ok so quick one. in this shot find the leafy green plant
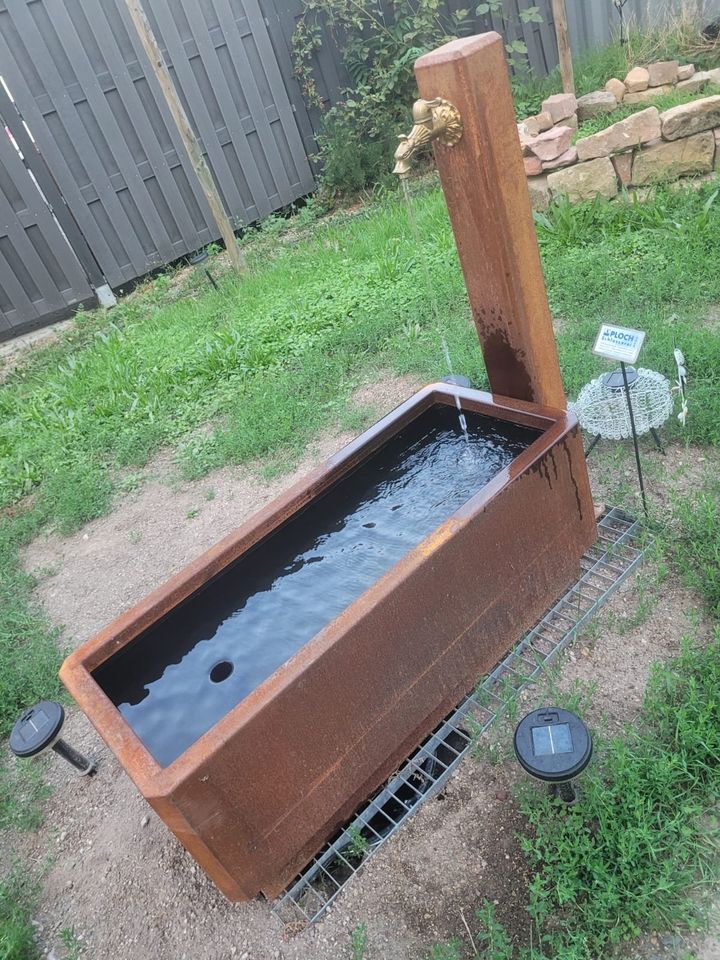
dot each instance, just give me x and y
(379, 47)
(359, 845)
(497, 943)
(359, 942)
(71, 943)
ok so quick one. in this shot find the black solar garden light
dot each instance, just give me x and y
(39, 728)
(553, 745)
(196, 259)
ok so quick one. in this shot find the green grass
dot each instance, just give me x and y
(663, 102)
(639, 853)
(694, 542)
(17, 900)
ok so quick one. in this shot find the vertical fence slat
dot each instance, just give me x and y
(277, 89)
(168, 36)
(56, 92)
(132, 103)
(114, 138)
(226, 99)
(18, 235)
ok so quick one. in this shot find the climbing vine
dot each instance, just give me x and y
(379, 41)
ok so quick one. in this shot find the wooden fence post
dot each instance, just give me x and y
(190, 141)
(563, 42)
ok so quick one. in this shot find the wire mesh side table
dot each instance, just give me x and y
(602, 407)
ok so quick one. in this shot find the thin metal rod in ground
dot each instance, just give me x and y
(592, 446)
(658, 441)
(618, 551)
(635, 436)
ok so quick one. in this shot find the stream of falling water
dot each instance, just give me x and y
(433, 302)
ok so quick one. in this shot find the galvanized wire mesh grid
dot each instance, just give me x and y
(606, 564)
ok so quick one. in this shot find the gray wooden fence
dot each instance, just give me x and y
(100, 189)
(80, 80)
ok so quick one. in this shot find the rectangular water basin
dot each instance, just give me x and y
(268, 688)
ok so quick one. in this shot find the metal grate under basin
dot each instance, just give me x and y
(615, 554)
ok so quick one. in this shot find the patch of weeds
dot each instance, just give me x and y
(73, 495)
(29, 654)
(135, 536)
(446, 951)
(694, 543)
(129, 483)
(209, 494)
(17, 901)
(192, 513)
(359, 942)
(354, 418)
(496, 942)
(628, 857)
(359, 845)
(23, 792)
(70, 941)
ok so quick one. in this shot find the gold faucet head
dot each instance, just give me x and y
(432, 120)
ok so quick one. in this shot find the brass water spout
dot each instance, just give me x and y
(432, 120)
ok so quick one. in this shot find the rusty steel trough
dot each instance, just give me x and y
(259, 793)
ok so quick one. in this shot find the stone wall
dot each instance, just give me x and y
(645, 148)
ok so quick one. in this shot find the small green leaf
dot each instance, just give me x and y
(531, 15)
(482, 9)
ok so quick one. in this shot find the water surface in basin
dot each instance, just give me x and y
(179, 677)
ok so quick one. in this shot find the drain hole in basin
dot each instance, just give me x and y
(221, 671)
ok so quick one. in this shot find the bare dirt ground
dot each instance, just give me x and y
(127, 888)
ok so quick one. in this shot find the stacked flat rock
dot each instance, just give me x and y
(662, 73)
(690, 118)
(617, 88)
(560, 106)
(638, 128)
(595, 104)
(637, 151)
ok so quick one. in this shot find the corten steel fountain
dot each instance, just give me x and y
(259, 696)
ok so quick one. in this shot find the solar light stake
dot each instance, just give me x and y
(566, 792)
(634, 433)
(199, 258)
(39, 729)
(80, 762)
(553, 745)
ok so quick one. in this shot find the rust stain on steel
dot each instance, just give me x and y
(257, 796)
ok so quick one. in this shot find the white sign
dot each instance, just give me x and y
(619, 343)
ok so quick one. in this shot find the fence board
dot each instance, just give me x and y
(92, 102)
(151, 152)
(39, 274)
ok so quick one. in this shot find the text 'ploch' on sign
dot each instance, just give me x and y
(619, 343)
